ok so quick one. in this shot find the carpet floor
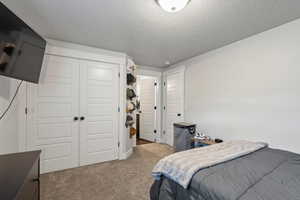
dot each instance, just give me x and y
(116, 180)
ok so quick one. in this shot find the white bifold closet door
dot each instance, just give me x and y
(147, 90)
(52, 106)
(99, 106)
(72, 113)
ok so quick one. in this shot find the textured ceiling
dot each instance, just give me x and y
(147, 33)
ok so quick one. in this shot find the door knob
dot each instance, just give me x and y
(179, 114)
(82, 118)
(76, 118)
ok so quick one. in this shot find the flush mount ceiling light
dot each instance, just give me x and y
(172, 5)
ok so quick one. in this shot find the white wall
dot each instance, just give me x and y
(249, 89)
(8, 126)
(24, 10)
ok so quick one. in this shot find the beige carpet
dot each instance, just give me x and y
(117, 180)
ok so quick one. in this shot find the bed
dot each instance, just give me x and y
(266, 174)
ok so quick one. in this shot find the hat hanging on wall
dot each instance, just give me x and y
(130, 93)
(131, 67)
(131, 107)
(130, 79)
(129, 121)
(132, 131)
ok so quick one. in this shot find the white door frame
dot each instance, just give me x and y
(70, 50)
(158, 76)
(181, 70)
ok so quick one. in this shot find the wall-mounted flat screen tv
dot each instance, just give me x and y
(21, 49)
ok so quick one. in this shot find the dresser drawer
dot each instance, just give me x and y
(30, 189)
(19, 176)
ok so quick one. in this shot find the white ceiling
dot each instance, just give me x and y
(147, 33)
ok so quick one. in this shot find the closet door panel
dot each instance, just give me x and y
(148, 102)
(174, 112)
(99, 89)
(52, 105)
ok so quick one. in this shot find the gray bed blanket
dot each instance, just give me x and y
(267, 174)
(182, 166)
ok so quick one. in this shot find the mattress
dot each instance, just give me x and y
(267, 174)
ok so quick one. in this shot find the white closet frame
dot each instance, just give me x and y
(70, 50)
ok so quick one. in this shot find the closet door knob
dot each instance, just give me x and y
(82, 118)
(179, 114)
(76, 118)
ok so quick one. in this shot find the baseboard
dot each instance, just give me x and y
(126, 155)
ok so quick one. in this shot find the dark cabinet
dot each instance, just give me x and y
(20, 176)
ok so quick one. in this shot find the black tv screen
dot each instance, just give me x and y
(21, 49)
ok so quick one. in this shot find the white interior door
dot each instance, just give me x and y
(174, 102)
(52, 106)
(147, 94)
(99, 89)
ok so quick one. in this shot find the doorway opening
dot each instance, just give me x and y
(148, 115)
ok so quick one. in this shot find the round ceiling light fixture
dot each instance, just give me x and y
(172, 5)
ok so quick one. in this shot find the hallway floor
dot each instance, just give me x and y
(142, 142)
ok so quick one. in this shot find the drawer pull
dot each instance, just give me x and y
(36, 180)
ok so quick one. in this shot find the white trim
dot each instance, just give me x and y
(70, 50)
(159, 109)
(126, 155)
(149, 68)
(22, 117)
(145, 72)
(164, 102)
(122, 116)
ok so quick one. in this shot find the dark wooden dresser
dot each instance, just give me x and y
(20, 176)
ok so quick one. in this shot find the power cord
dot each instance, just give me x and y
(11, 102)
